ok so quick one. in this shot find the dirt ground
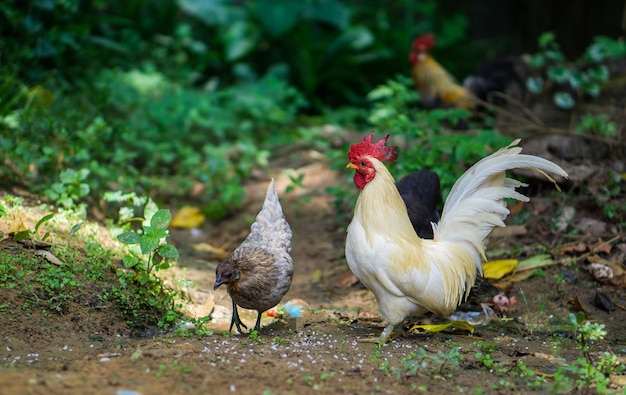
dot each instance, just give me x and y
(87, 352)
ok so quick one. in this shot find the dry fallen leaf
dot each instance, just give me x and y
(573, 247)
(213, 252)
(601, 246)
(50, 257)
(346, 280)
(188, 217)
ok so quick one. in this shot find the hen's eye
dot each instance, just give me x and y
(228, 275)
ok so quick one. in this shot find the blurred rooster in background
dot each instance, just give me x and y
(259, 272)
(410, 275)
(436, 86)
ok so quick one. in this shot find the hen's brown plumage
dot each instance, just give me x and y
(259, 272)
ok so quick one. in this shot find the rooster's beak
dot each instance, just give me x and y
(351, 165)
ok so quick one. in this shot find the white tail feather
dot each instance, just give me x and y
(476, 202)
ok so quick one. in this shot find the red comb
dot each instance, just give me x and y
(378, 149)
(425, 41)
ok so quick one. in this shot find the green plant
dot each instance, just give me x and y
(70, 188)
(572, 81)
(598, 124)
(435, 364)
(254, 336)
(587, 372)
(609, 196)
(33, 235)
(151, 243)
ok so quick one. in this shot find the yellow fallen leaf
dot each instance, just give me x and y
(498, 269)
(17, 226)
(188, 217)
(442, 327)
(212, 251)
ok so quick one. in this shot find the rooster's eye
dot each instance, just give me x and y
(363, 164)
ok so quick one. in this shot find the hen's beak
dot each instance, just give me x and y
(351, 165)
(218, 282)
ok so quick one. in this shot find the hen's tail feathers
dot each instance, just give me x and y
(476, 203)
(270, 227)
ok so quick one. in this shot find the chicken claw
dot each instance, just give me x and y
(235, 320)
(390, 332)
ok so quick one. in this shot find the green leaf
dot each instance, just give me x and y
(83, 190)
(45, 218)
(161, 219)
(599, 73)
(168, 251)
(596, 53)
(537, 61)
(240, 38)
(564, 100)
(278, 16)
(332, 12)
(546, 39)
(130, 261)
(22, 235)
(148, 243)
(555, 56)
(163, 265)
(82, 174)
(559, 74)
(143, 278)
(592, 89)
(148, 211)
(210, 12)
(129, 238)
(534, 262)
(577, 78)
(68, 176)
(76, 228)
(534, 84)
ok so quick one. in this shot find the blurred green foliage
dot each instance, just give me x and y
(571, 81)
(332, 51)
(154, 96)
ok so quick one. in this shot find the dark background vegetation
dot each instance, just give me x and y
(158, 96)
